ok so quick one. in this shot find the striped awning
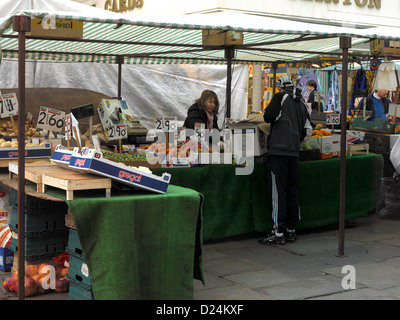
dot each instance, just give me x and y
(178, 39)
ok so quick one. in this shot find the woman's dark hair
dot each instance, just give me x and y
(312, 83)
(205, 95)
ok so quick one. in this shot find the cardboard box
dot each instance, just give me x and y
(222, 38)
(6, 259)
(253, 128)
(385, 47)
(329, 146)
(58, 28)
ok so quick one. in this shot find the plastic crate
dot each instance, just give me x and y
(6, 259)
(79, 272)
(78, 292)
(39, 225)
(41, 247)
(74, 245)
(34, 205)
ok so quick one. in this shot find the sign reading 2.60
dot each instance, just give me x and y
(51, 119)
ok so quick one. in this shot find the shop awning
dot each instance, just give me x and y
(178, 39)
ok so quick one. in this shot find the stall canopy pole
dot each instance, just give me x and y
(21, 24)
(345, 44)
(229, 54)
(120, 60)
(274, 67)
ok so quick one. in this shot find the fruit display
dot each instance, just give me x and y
(7, 129)
(14, 144)
(39, 278)
(321, 133)
(124, 156)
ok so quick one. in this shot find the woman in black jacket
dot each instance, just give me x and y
(204, 110)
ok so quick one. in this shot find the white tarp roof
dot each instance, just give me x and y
(176, 39)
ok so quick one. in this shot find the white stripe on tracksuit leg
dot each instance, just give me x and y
(275, 202)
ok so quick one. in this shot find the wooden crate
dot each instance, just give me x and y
(358, 148)
(70, 181)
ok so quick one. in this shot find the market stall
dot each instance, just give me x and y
(104, 40)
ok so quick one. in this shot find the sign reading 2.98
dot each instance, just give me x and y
(51, 119)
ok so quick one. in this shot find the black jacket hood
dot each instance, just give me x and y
(294, 93)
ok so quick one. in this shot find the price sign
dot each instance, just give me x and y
(8, 105)
(199, 131)
(167, 124)
(332, 119)
(51, 119)
(117, 132)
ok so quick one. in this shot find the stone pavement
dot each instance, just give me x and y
(309, 269)
(240, 268)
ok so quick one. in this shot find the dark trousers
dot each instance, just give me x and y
(284, 180)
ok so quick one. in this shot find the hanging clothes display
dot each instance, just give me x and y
(333, 100)
(386, 77)
(360, 82)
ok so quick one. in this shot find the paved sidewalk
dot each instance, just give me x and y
(243, 269)
(240, 268)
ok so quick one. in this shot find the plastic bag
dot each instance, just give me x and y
(5, 210)
(395, 156)
(390, 205)
(5, 237)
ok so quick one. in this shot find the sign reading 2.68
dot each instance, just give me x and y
(8, 105)
(51, 119)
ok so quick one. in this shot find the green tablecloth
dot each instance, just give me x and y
(235, 205)
(140, 245)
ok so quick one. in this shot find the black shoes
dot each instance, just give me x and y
(272, 238)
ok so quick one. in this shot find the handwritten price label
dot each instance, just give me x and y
(8, 105)
(117, 132)
(51, 119)
(332, 119)
(167, 124)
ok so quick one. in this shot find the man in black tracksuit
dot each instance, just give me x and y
(290, 125)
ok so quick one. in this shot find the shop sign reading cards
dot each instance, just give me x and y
(51, 119)
(8, 105)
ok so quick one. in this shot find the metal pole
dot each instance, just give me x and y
(21, 24)
(274, 67)
(345, 44)
(229, 52)
(120, 60)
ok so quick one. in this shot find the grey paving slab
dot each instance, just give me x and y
(305, 289)
(233, 292)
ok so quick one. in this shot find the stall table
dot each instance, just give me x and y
(137, 244)
(235, 204)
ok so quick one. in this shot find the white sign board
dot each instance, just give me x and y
(167, 124)
(116, 132)
(332, 118)
(8, 105)
(51, 119)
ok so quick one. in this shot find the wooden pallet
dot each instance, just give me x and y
(73, 181)
(358, 148)
(5, 162)
(64, 179)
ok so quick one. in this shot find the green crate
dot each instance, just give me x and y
(39, 225)
(41, 247)
(78, 272)
(78, 292)
(34, 205)
(74, 245)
